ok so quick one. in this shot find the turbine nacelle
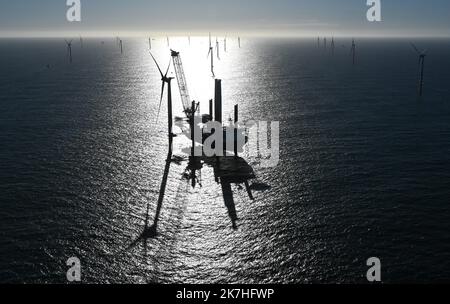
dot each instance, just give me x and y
(421, 54)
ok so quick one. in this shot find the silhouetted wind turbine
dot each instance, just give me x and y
(353, 50)
(239, 42)
(211, 53)
(69, 50)
(217, 48)
(150, 43)
(121, 46)
(422, 56)
(332, 45)
(164, 80)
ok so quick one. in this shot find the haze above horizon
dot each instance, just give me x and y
(47, 18)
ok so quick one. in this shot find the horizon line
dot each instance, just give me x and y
(205, 34)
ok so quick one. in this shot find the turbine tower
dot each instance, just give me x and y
(225, 44)
(150, 43)
(164, 80)
(239, 42)
(69, 50)
(422, 56)
(168, 41)
(211, 53)
(121, 46)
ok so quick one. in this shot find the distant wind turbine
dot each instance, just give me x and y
(353, 51)
(217, 48)
(332, 45)
(211, 53)
(225, 44)
(239, 42)
(422, 56)
(150, 43)
(121, 46)
(69, 50)
(168, 41)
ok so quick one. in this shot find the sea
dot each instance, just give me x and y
(363, 171)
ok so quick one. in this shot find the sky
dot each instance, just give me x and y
(246, 17)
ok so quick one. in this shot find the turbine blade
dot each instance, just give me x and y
(162, 75)
(415, 48)
(167, 71)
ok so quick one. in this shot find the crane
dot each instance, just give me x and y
(182, 85)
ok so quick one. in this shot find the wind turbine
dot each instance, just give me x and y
(150, 43)
(239, 42)
(353, 50)
(422, 56)
(168, 41)
(225, 44)
(69, 50)
(332, 45)
(121, 46)
(217, 48)
(164, 80)
(211, 53)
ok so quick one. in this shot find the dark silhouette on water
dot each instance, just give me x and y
(151, 232)
(230, 170)
(422, 56)
(257, 186)
(69, 50)
(353, 51)
(332, 46)
(229, 202)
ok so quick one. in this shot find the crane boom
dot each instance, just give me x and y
(181, 79)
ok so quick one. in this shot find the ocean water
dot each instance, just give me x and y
(364, 165)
